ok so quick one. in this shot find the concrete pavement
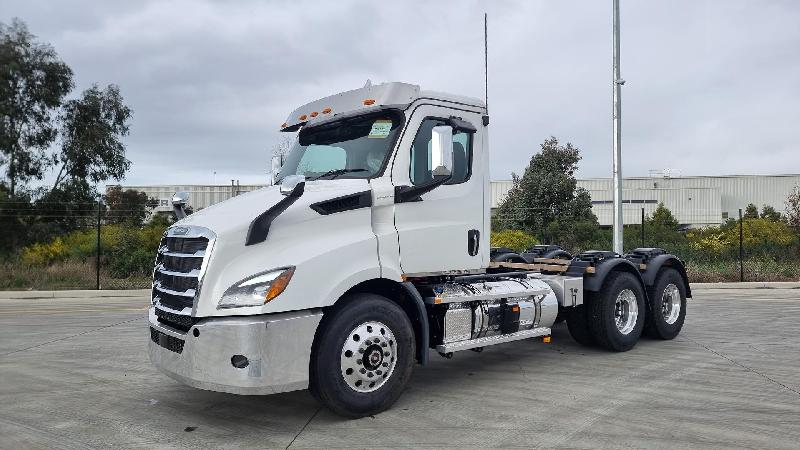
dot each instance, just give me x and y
(75, 374)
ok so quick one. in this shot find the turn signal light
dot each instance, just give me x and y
(546, 339)
(326, 111)
(369, 101)
(279, 284)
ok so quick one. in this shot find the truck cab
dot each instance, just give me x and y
(370, 250)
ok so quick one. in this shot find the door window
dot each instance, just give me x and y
(421, 154)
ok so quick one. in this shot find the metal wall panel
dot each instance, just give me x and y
(695, 201)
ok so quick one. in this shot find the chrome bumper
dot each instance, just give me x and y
(277, 348)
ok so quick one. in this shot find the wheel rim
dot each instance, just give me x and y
(626, 311)
(369, 356)
(671, 304)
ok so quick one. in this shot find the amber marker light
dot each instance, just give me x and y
(369, 101)
(314, 114)
(284, 125)
(279, 284)
(303, 117)
(546, 339)
(326, 111)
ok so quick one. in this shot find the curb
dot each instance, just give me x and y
(747, 285)
(83, 293)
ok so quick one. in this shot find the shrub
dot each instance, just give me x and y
(517, 240)
(44, 254)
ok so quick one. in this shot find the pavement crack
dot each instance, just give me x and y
(69, 337)
(304, 426)
(747, 368)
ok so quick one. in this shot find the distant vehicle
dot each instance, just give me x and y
(371, 250)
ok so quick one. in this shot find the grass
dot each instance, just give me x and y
(64, 275)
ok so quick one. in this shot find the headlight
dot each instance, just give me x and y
(257, 290)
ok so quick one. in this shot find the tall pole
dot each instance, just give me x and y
(617, 120)
(486, 60)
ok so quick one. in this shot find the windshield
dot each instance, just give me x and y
(354, 147)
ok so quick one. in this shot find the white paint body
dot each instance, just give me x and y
(331, 253)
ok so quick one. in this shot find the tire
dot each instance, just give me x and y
(336, 377)
(667, 305)
(617, 313)
(578, 323)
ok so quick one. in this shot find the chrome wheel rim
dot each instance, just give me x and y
(369, 356)
(671, 304)
(626, 311)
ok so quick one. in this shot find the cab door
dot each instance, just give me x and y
(443, 229)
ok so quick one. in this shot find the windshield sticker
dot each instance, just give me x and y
(380, 128)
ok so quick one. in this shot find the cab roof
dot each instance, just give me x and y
(368, 98)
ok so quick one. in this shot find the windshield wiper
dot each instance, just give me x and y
(336, 172)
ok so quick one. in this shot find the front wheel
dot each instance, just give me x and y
(364, 356)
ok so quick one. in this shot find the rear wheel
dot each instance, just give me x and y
(616, 314)
(364, 356)
(667, 307)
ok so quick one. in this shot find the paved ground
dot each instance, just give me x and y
(74, 373)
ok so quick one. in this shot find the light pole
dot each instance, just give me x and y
(617, 120)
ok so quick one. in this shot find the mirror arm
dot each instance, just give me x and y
(404, 194)
(259, 227)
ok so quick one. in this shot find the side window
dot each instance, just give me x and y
(421, 154)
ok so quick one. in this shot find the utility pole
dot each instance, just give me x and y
(617, 121)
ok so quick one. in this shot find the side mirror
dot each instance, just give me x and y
(179, 201)
(442, 151)
(276, 163)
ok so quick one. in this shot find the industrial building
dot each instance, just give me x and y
(695, 201)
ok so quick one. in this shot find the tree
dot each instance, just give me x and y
(33, 82)
(769, 213)
(546, 200)
(662, 218)
(751, 212)
(126, 207)
(793, 208)
(92, 127)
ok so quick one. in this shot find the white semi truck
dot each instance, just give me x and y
(371, 251)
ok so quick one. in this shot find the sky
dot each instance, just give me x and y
(712, 87)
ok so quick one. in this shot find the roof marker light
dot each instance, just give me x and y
(284, 125)
(314, 114)
(369, 101)
(303, 117)
(326, 111)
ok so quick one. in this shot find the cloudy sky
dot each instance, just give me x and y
(713, 87)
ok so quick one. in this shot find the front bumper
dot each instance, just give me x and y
(277, 348)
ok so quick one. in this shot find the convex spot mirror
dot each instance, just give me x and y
(442, 151)
(276, 164)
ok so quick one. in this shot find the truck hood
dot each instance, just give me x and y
(235, 214)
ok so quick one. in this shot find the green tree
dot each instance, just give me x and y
(662, 218)
(769, 213)
(91, 132)
(514, 239)
(33, 83)
(546, 200)
(126, 207)
(750, 212)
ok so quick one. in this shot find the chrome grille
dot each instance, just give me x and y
(179, 267)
